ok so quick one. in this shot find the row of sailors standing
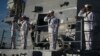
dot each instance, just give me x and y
(53, 25)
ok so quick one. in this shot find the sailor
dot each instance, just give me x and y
(13, 35)
(32, 29)
(24, 32)
(88, 16)
(53, 25)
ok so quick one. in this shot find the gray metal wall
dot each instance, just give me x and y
(67, 11)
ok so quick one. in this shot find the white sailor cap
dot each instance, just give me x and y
(87, 5)
(31, 22)
(23, 16)
(51, 11)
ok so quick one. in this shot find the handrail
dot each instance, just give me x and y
(60, 32)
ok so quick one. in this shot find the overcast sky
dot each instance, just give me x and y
(3, 9)
(3, 13)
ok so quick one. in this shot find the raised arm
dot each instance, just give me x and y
(82, 13)
(46, 19)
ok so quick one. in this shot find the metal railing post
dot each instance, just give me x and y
(2, 37)
(81, 33)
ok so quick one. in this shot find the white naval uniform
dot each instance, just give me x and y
(13, 36)
(88, 26)
(53, 25)
(23, 34)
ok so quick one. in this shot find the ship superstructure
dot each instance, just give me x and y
(71, 28)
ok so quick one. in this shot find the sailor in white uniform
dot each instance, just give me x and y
(53, 25)
(88, 16)
(24, 32)
(13, 35)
